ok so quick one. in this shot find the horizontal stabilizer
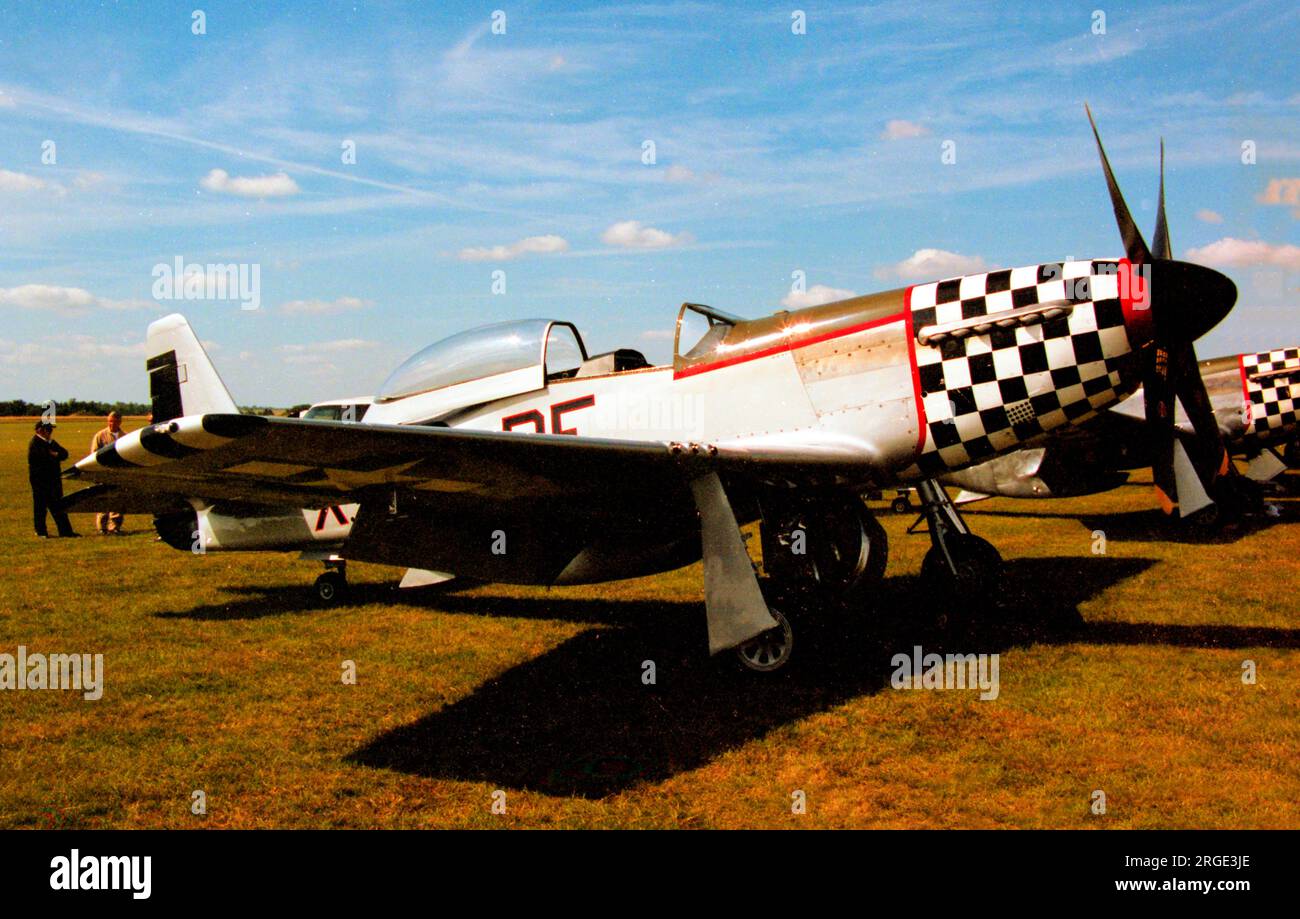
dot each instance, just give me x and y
(418, 577)
(1265, 467)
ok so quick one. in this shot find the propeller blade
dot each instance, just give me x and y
(1209, 454)
(1207, 473)
(1159, 406)
(1231, 491)
(1160, 242)
(1135, 246)
(1186, 301)
(1192, 496)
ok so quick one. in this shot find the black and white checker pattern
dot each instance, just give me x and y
(984, 394)
(1272, 398)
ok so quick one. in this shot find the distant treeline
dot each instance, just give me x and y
(95, 407)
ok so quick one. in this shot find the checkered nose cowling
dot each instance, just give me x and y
(1272, 383)
(1005, 356)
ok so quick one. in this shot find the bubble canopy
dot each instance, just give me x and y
(486, 351)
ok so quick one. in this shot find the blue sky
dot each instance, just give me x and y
(523, 152)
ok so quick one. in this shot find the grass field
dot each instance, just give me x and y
(1120, 672)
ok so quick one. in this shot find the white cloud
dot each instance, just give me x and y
(815, 296)
(531, 245)
(900, 129)
(931, 265)
(314, 352)
(1285, 192)
(54, 349)
(27, 354)
(322, 307)
(675, 173)
(63, 299)
(1246, 253)
(20, 182)
(1205, 215)
(6, 100)
(273, 186)
(338, 344)
(88, 346)
(629, 234)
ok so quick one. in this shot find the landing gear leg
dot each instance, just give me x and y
(331, 585)
(739, 615)
(963, 568)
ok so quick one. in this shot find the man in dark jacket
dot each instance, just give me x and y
(43, 458)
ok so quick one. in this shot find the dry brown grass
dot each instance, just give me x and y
(1119, 672)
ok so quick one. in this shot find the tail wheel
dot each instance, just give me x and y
(768, 650)
(330, 586)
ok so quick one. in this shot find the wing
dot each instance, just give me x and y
(306, 463)
(103, 499)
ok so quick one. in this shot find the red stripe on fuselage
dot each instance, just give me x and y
(790, 346)
(916, 373)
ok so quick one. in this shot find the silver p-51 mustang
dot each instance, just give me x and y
(508, 453)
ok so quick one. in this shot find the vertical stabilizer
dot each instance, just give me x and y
(182, 380)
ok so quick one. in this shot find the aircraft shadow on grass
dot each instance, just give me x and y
(577, 720)
(289, 600)
(264, 602)
(1151, 525)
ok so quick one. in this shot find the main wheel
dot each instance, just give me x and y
(330, 586)
(852, 553)
(768, 650)
(830, 549)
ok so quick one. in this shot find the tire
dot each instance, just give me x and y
(842, 570)
(900, 505)
(330, 587)
(770, 650)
